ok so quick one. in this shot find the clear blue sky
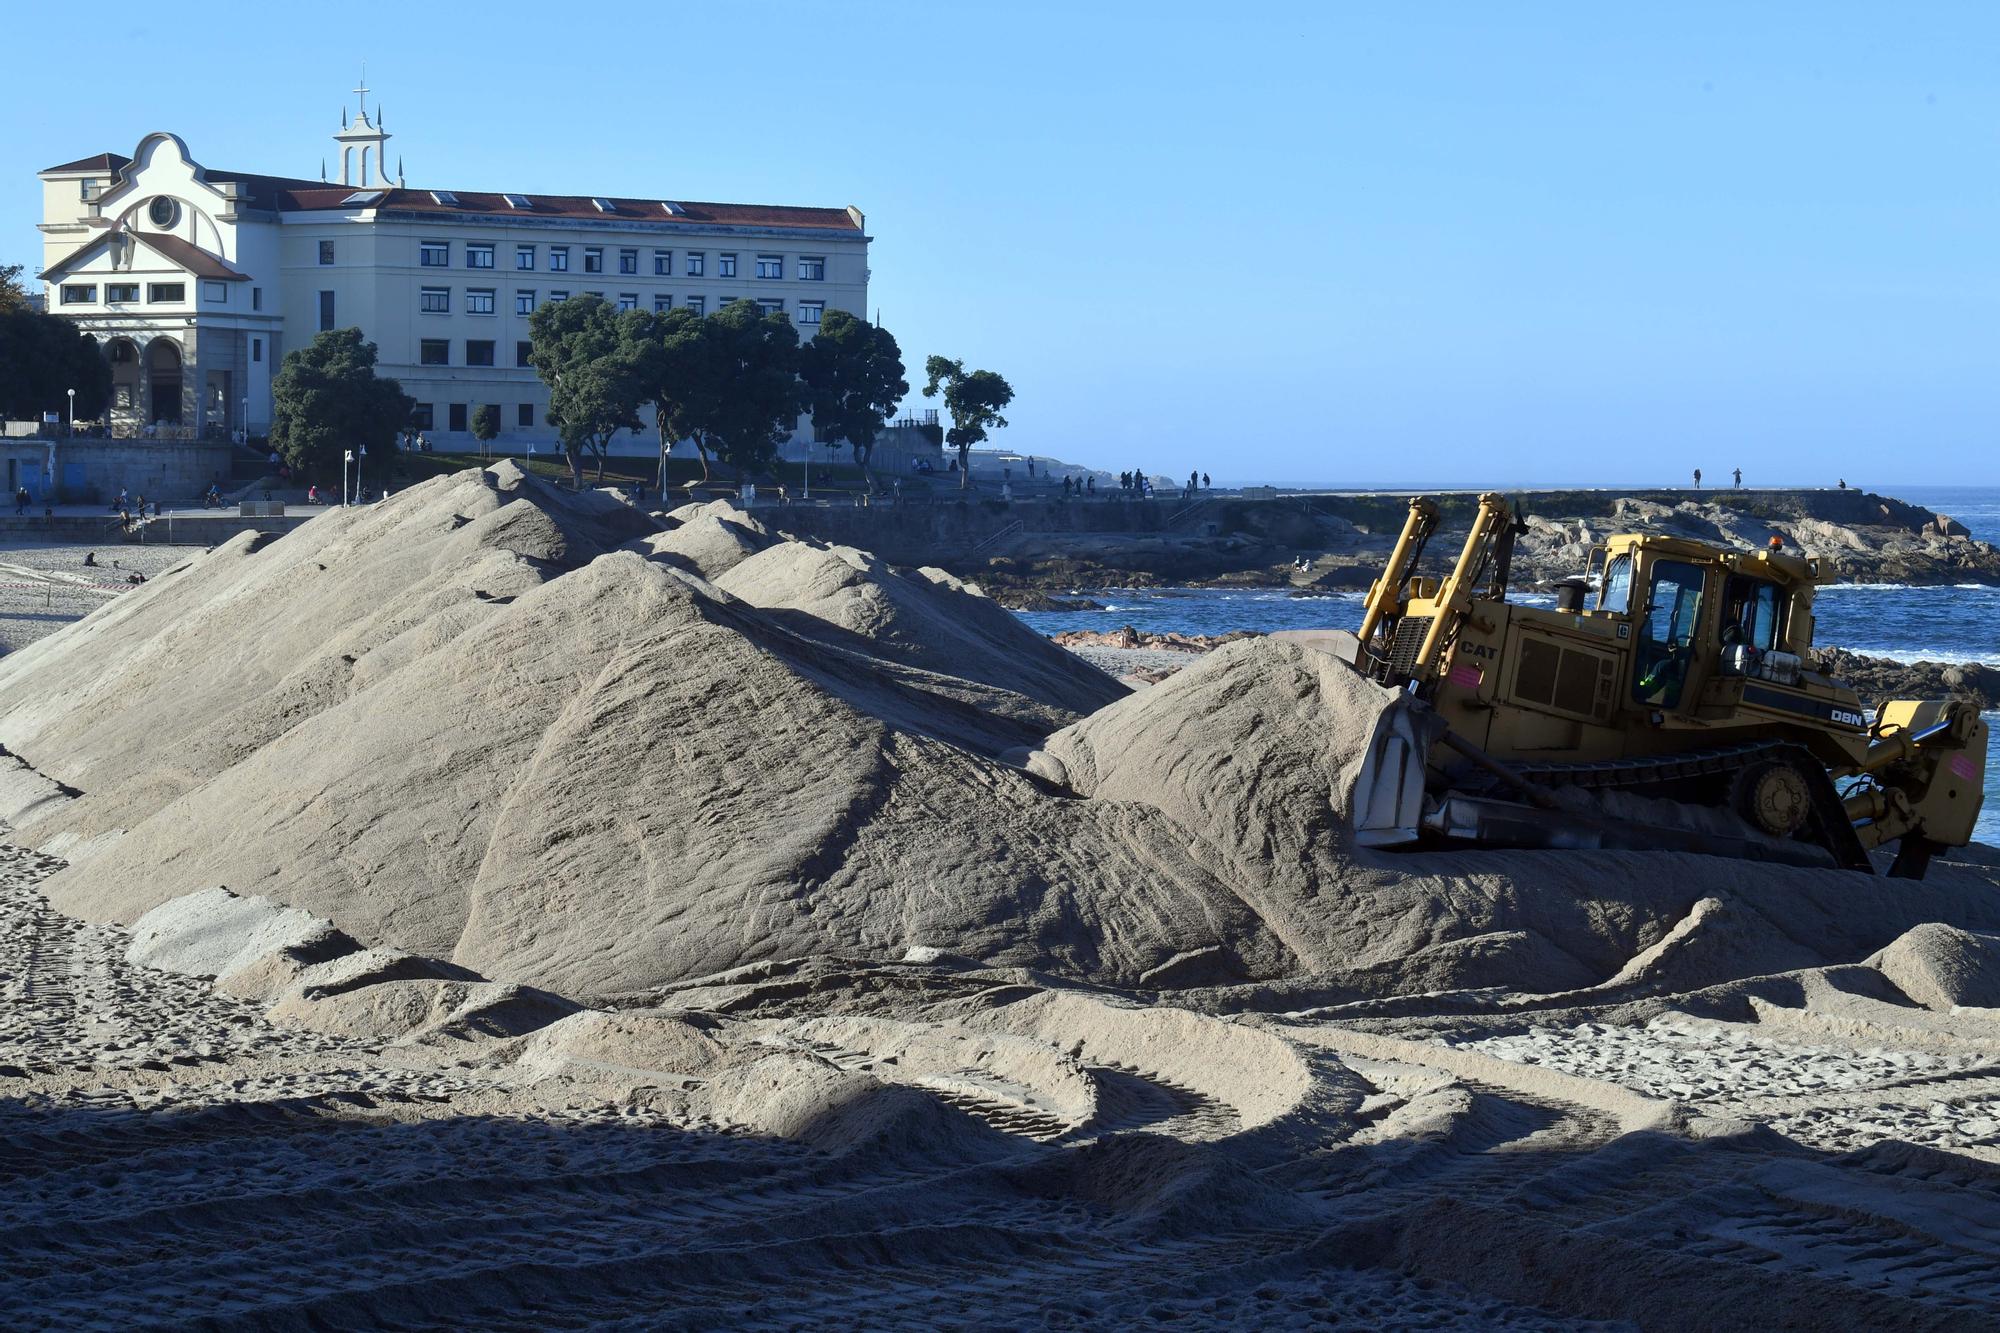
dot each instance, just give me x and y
(1467, 243)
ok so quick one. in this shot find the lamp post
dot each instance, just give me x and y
(72, 411)
(244, 423)
(345, 458)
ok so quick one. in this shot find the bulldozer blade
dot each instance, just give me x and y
(1389, 791)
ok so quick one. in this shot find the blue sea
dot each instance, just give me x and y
(1946, 624)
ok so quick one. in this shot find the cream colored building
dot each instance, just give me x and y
(197, 281)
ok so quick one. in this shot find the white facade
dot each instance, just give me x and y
(198, 281)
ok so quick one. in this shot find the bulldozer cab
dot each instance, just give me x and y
(1695, 617)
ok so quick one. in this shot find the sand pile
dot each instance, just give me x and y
(602, 781)
(525, 734)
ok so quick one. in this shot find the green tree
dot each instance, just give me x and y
(485, 425)
(675, 359)
(974, 399)
(42, 357)
(595, 382)
(327, 399)
(853, 375)
(757, 397)
(13, 296)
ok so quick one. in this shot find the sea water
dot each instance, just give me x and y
(1942, 624)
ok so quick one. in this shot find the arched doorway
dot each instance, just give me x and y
(123, 354)
(163, 377)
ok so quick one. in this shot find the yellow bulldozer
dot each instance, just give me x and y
(1668, 700)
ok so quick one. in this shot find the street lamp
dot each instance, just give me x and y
(72, 411)
(346, 458)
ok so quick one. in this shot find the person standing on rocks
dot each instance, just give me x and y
(1738, 474)
(1697, 478)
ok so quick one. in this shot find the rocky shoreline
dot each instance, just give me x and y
(1327, 543)
(1129, 653)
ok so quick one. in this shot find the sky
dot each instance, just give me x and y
(1449, 244)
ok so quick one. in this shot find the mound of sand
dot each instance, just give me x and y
(1943, 968)
(520, 732)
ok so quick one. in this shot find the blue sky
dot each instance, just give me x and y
(1452, 243)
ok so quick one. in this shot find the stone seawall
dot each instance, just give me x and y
(1338, 540)
(91, 471)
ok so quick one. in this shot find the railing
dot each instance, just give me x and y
(1016, 526)
(1185, 510)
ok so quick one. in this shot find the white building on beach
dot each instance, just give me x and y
(196, 281)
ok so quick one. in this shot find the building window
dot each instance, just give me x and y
(526, 415)
(698, 304)
(725, 266)
(325, 311)
(256, 298)
(434, 300)
(524, 257)
(662, 302)
(559, 296)
(663, 263)
(423, 416)
(771, 307)
(434, 254)
(166, 291)
(118, 293)
(79, 293)
(478, 256)
(256, 349)
(628, 261)
(458, 417)
(326, 252)
(478, 353)
(87, 190)
(810, 311)
(628, 300)
(524, 303)
(697, 263)
(434, 352)
(478, 300)
(593, 259)
(559, 259)
(524, 354)
(770, 266)
(812, 268)
(218, 292)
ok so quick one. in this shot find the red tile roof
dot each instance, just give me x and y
(297, 198)
(172, 248)
(106, 162)
(291, 194)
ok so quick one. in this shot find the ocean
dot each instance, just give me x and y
(1944, 624)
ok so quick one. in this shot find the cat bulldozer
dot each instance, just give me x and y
(1667, 700)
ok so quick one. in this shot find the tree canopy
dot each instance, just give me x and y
(42, 357)
(973, 399)
(853, 376)
(675, 359)
(327, 399)
(585, 355)
(756, 359)
(13, 296)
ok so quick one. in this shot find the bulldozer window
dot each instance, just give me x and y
(1617, 593)
(1666, 634)
(1753, 614)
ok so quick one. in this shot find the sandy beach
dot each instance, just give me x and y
(549, 915)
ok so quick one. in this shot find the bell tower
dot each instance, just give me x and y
(367, 138)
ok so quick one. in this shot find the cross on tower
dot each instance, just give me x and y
(362, 90)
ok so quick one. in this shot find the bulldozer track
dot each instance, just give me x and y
(286, 1178)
